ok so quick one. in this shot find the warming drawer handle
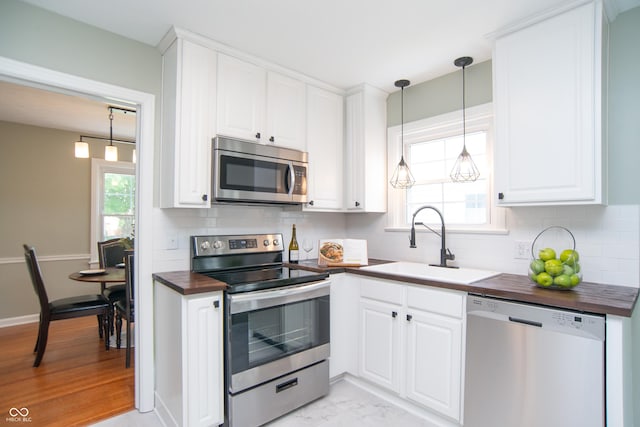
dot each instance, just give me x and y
(287, 385)
(525, 321)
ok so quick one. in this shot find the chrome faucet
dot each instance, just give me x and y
(445, 254)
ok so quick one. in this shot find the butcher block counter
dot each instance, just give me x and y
(189, 283)
(586, 297)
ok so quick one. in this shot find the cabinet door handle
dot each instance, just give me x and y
(204, 197)
(501, 196)
(409, 317)
(394, 314)
(216, 304)
(310, 203)
(258, 135)
(272, 139)
(357, 204)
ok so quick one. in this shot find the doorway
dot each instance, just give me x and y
(144, 103)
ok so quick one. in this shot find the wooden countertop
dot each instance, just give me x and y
(587, 297)
(189, 283)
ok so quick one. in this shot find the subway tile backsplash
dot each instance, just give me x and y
(608, 238)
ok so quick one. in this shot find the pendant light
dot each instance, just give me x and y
(464, 170)
(402, 177)
(111, 151)
(81, 149)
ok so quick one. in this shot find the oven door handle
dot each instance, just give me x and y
(250, 301)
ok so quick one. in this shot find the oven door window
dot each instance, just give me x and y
(261, 336)
(242, 174)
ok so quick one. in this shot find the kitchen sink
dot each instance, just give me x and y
(460, 276)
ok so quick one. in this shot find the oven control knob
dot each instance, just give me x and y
(217, 244)
(276, 242)
(265, 242)
(205, 245)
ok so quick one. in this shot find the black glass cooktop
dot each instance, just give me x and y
(256, 279)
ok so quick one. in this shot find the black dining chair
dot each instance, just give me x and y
(111, 254)
(125, 307)
(64, 308)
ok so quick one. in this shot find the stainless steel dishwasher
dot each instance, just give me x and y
(532, 366)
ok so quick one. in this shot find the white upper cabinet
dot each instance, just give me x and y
(549, 108)
(286, 108)
(188, 124)
(260, 105)
(366, 150)
(325, 147)
(241, 98)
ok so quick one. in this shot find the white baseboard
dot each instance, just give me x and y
(20, 320)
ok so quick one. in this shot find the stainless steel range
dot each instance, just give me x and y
(276, 326)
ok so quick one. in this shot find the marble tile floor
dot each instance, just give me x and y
(347, 405)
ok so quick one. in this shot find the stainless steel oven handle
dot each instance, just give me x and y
(240, 303)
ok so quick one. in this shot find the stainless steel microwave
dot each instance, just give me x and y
(247, 172)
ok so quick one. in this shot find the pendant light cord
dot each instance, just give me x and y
(402, 124)
(110, 126)
(464, 115)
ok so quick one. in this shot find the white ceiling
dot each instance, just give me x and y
(341, 42)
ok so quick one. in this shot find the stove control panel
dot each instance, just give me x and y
(235, 244)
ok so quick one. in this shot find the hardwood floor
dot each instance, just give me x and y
(77, 383)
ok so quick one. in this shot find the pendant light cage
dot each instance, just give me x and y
(464, 169)
(402, 177)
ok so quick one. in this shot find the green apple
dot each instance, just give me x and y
(546, 254)
(569, 256)
(568, 270)
(537, 266)
(554, 267)
(533, 277)
(544, 279)
(562, 280)
(575, 279)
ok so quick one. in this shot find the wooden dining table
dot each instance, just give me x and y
(111, 275)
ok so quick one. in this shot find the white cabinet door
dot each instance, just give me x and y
(203, 352)
(188, 124)
(366, 150)
(380, 343)
(286, 107)
(241, 98)
(548, 102)
(344, 325)
(325, 147)
(434, 361)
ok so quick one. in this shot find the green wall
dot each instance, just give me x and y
(443, 94)
(624, 108)
(39, 37)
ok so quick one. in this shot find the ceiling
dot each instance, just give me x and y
(341, 42)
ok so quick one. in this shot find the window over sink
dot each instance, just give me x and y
(431, 147)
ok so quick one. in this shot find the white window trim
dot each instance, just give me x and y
(478, 118)
(98, 168)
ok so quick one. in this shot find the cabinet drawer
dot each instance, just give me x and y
(382, 290)
(441, 301)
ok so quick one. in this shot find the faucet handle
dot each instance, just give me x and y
(449, 255)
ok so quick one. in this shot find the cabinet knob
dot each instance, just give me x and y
(216, 304)
(258, 135)
(394, 314)
(204, 197)
(310, 203)
(272, 139)
(357, 204)
(409, 317)
(501, 196)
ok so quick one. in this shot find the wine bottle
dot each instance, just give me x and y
(293, 247)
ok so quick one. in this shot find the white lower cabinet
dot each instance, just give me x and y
(344, 325)
(411, 341)
(188, 356)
